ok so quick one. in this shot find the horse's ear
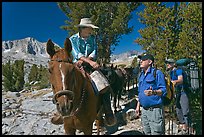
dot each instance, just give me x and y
(111, 66)
(50, 48)
(68, 45)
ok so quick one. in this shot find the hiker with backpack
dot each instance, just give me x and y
(179, 78)
(150, 92)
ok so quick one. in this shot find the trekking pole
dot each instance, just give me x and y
(189, 116)
(172, 119)
(169, 121)
(171, 108)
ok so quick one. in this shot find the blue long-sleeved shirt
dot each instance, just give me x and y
(145, 81)
(83, 48)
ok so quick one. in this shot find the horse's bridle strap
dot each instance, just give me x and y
(60, 60)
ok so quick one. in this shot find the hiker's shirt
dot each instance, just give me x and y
(174, 76)
(83, 47)
(147, 81)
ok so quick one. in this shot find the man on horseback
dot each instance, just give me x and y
(84, 51)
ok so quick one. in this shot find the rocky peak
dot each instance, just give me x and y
(29, 49)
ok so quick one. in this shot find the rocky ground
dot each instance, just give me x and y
(29, 112)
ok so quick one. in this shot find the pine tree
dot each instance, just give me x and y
(171, 32)
(18, 72)
(43, 77)
(8, 80)
(40, 74)
(190, 37)
(33, 75)
(111, 18)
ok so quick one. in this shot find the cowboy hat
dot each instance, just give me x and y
(86, 22)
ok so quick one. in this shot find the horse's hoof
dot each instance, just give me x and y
(57, 120)
(110, 120)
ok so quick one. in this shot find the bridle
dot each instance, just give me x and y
(75, 110)
(61, 60)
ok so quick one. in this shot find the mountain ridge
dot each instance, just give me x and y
(34, 52)
(31, 49)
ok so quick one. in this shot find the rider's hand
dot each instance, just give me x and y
(79, 63)
(94, 64)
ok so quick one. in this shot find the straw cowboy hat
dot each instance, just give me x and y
(86, 22)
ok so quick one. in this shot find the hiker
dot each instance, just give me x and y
(178, 76)
(150, 92)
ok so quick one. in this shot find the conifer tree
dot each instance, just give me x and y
(33, 75)
(111, 18)
(13, 75)
(171, 32)
(18, 73)
(8, 80)
(190, 37)
(43, 77)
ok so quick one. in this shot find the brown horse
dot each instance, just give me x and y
(73, 93)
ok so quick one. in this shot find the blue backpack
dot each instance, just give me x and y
(184, 65)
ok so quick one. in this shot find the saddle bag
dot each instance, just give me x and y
(99, 82)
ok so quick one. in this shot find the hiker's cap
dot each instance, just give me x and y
(169, 61)
(86, 22)
(146, 56)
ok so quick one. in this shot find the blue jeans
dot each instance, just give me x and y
(153, 121)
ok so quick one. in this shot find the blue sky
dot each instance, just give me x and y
(42, 20)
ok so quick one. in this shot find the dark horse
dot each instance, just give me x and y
(116, 79)
(73, 93)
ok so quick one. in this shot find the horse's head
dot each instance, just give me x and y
(128, 72)
(61, 76)
(110, 73)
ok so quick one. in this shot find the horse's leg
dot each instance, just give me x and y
(88, 129)
(114, 103)
(69, 130)
(98, 126)
(111, 96)
(128, 84)
(99, 120)
(119, 96)
(125, 85)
